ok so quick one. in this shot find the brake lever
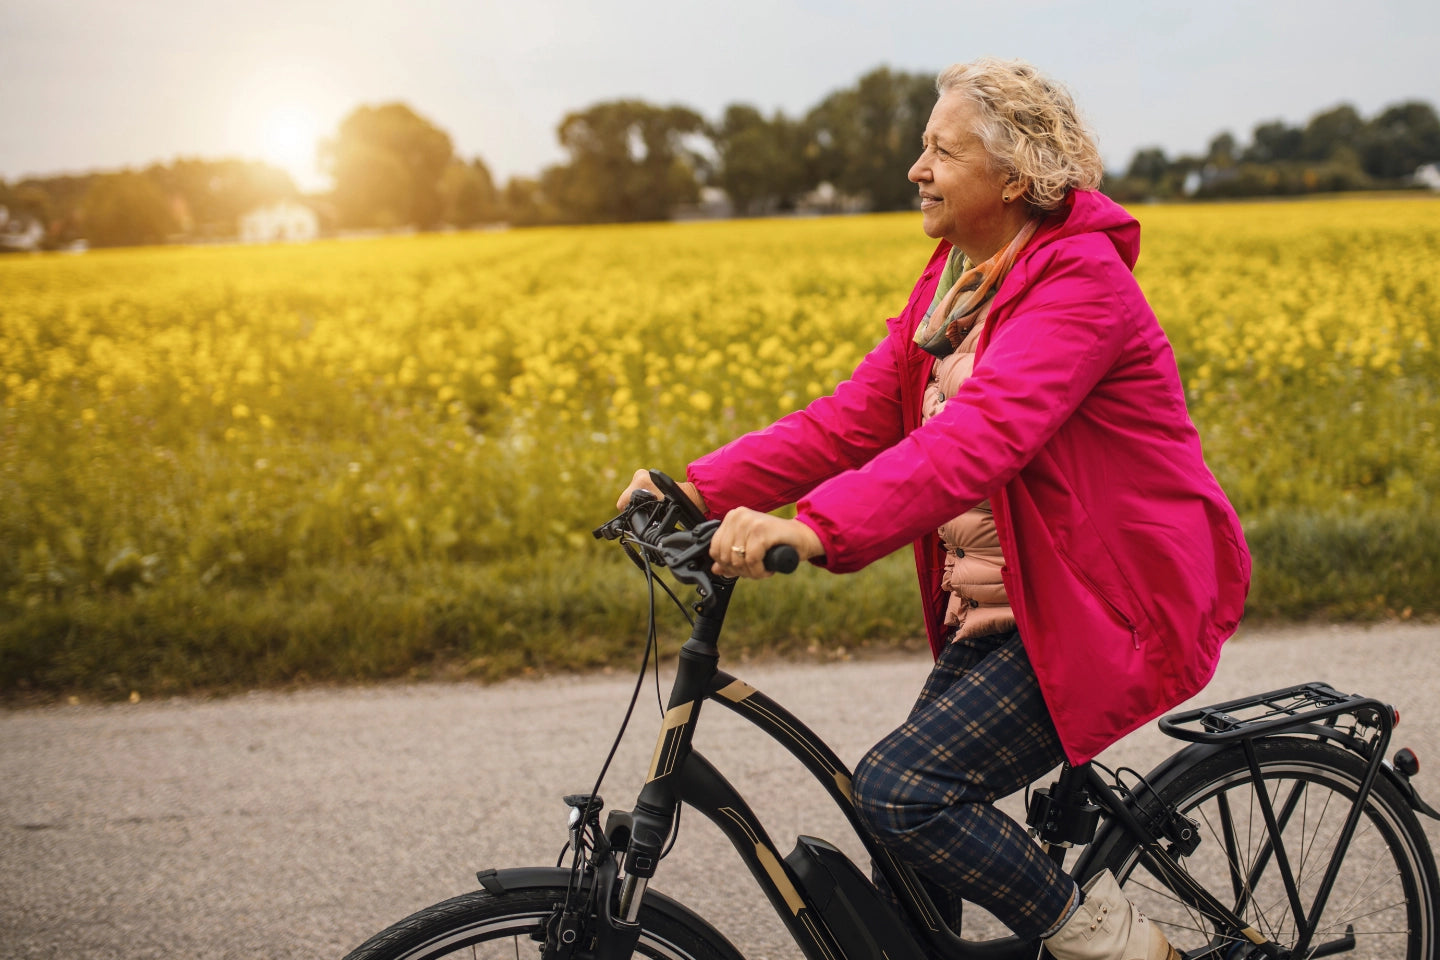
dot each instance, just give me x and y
(687, 554)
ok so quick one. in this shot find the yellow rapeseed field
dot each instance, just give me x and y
(224, 415)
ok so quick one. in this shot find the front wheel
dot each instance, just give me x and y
(1383, 904)
(510, 925)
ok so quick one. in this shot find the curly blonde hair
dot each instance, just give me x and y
(1029, 126)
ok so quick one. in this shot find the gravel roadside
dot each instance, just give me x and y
(294, 825)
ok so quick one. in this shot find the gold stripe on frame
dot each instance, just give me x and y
(675, 718)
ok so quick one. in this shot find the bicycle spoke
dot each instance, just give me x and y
(1198, 924)
(1361, 888)
(1195, 918)
(1245, 899)
(1373, 913)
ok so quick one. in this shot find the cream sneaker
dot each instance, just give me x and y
(1108, 927)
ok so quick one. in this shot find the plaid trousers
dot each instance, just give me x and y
(979, 731)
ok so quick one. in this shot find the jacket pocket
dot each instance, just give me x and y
(1121, 614)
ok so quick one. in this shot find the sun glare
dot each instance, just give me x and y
(289, 136)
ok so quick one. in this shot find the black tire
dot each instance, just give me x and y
(1386, 890)
(482, 925)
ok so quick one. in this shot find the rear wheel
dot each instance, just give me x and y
(484, 926)
(1385, 894)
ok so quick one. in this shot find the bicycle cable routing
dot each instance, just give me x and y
(644, 513)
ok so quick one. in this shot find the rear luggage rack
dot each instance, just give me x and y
(1307, 704)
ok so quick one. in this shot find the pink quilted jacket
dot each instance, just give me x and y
(1125, 564)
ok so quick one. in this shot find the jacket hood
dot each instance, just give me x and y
(1090, 211)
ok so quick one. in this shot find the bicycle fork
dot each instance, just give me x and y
(640, 835)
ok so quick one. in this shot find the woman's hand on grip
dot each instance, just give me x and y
(642, 481)
(739, 545)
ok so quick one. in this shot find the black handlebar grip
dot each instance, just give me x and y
(782, 558)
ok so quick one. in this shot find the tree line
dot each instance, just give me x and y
(189, 199)
(629, 160)
(1336, 150)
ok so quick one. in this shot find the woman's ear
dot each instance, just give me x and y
(1015, 188)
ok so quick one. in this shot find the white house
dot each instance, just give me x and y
(284, 221)
(1428, 176)
(19, 233)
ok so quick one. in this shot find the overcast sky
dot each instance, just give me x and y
(101, 84)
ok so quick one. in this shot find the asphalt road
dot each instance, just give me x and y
(294, 825)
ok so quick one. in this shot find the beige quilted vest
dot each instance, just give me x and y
(978, 605)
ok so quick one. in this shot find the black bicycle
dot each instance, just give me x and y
(1279, 831)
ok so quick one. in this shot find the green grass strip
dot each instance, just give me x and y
(582, 610)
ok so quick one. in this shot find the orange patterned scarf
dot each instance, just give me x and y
(964, 288)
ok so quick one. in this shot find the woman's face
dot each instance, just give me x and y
(961, 192)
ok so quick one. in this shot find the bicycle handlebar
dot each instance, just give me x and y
(673, 531)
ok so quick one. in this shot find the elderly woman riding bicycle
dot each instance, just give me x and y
(1023, 424)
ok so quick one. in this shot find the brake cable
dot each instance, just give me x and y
(652, 643)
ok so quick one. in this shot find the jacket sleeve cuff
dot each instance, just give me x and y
(824, 559)
(697, 474)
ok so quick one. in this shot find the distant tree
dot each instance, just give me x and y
(64, 196)
(1274, 142)
(760, 162)
(29, 199)
(467, 194)
(628, 161)
(1223, 151)
(1400, 139)
(218, 193)
(387, 162)
(1331, 130)
(125, 209)
(867, 137)
(1149, 165)
(1341, 172)
(1150, 175)
(521, 203)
